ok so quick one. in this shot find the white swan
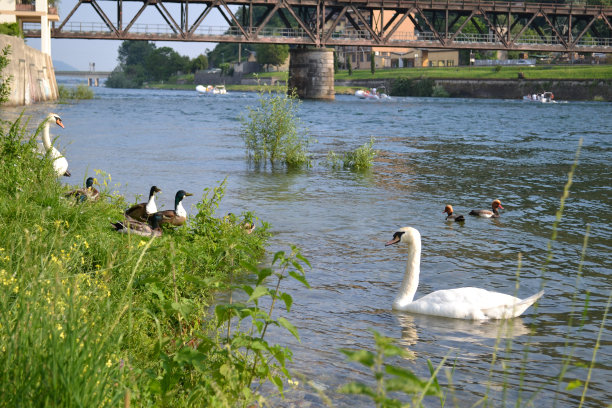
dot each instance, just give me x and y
(460, 303)
(60, 164)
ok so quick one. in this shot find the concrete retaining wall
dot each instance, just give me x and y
(566, 90)
(569, 90)
(32, 71)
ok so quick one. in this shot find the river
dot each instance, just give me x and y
(432, 152)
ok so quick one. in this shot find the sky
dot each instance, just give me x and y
(80, 53)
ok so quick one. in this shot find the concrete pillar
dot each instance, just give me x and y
(311, 73)
(45, 28)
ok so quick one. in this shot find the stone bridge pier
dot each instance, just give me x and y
(311, 73)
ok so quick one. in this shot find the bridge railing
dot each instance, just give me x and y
(403, 37)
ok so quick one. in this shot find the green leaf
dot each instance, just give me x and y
(287, 299)
(287, 325)
(573, 384)
(407, 382)
(355, 388)
(364, 357)
(299, 278)
(279, 255)
(258, 292)
(184, 307)
(301, 258)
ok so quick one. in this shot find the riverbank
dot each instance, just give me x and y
(586, 83)
(104, 318)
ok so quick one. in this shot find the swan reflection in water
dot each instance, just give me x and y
(457, 330)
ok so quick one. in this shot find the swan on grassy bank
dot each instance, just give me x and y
(60, 164)
(461, 303)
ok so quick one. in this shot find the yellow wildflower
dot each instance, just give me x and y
(109, 363)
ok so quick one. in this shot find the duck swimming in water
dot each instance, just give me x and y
(142, 211)
(461, 303)
(493, 213)
(60, 164)
(451, 216)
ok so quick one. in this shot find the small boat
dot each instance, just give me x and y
(370, 94)
(544, 97)
(219, 90)
(211, 90)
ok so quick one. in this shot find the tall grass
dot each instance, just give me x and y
(90, 317)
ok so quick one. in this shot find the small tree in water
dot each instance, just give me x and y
(270, 131)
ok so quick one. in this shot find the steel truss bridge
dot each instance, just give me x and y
(451, 24)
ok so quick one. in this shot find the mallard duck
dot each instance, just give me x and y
(142, 211)
(88, 193)
(451, 216)
(131, 226)
(493, 213)
(60, 164)
(178, 216)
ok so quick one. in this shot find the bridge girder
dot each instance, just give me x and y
(437, 24)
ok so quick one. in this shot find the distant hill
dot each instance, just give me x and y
(62, 66)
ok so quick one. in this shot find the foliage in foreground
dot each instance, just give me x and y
(270, 131)
(390, 379)
(90, 317)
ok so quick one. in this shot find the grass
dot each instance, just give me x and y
(549, 72)
(91, 317)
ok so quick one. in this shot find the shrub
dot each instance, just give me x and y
(11, 29)
(5, 82)
(270, 131)
(412, 87)
(80, 92)
(497, 68)
(439, 92)
(357, 160)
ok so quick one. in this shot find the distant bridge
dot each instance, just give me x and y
(85, 74)
(451, 24)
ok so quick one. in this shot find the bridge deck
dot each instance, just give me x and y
(437, 24)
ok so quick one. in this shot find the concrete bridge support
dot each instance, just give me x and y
(311, 73)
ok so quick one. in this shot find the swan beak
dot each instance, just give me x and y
(59, 122)
(395, 240)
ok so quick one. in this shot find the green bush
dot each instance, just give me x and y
(270, 131)
(357, 160)
(80, 92)
(412, 87)
(11, 29)
(438, 91)
(5, 81)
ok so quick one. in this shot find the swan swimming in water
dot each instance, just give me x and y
(460, 303)
(60, 164)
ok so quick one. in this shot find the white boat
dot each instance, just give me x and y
(370, 94)
(211, 90)
(544, 97)
(219, 90)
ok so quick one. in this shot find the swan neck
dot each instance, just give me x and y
(411, 276)
(46, 139)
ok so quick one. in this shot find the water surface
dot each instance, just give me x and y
(432, 152)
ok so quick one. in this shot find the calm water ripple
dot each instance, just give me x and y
(465, 152)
